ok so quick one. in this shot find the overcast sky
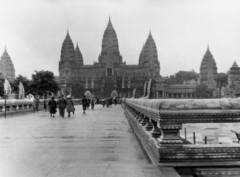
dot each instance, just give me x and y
(33, 31)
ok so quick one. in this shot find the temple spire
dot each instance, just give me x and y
(234, 64)
(109, 22)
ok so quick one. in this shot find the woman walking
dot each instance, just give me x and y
(70, 106)
(52, 104)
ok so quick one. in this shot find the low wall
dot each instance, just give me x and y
(22, 106)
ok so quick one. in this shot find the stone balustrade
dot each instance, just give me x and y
(16, 105)
(23, 105)
(157, 123)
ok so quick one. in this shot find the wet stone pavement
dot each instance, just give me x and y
(98, 144)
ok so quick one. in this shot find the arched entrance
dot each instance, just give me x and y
(114, 94)
(88, 94)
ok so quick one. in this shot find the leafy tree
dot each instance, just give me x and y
(43, 82)
(222, 78)
(24, 80)
(2, 87)
(202, 91)
(181, 76)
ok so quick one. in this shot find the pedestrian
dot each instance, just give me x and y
(62, 103)
(84, 103)
(107, 102)
(92, 102)
(33, 103)
(70, 106)
(103, 102)
(37, 102)
(88, 103)
(45, 102)
(52, 104)
(115, 101)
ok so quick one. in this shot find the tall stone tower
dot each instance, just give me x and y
(7, 67)
(67, 62)
(110, 56)
(78, 57)
(208, 70)
(234, 75)
(149, 58)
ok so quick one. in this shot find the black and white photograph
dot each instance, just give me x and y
(119, 88)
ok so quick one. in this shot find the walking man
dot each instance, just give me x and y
(62, 103)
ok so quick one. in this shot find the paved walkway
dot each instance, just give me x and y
(98, 144)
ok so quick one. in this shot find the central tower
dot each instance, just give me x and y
(110, 56)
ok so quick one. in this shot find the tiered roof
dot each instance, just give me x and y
(7, 67)
(149, 51)
(78, 56)
(67, 52)
(208, 66)
(110, 46)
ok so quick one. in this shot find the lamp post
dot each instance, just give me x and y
(5, 104)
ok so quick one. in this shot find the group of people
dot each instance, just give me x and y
(66, 104)
(108, 101)
(62, 104)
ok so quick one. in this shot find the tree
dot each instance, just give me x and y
(222, 78)
(202, 91)
(43, 82)
(2, 87)
(24, 80)
(181, 76)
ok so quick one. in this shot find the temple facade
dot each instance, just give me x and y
(110, 75)
(7, 67)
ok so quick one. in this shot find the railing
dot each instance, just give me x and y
(24, 105)
(157, 123)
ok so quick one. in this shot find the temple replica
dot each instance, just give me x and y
(110, 74)
(7, 67)
(208, 75)
(232, 90)
(208, 70)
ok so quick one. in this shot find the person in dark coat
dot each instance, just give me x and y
(88, 103)
(52, 104)
(62, 104)
(70, 106)
(45, 102)
(103, 102)
(92, 102)
(84, 103)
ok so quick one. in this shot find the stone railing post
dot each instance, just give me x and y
(1, 108)
(170, 132)
(156, 133)
(14, 107)
(149, 125)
